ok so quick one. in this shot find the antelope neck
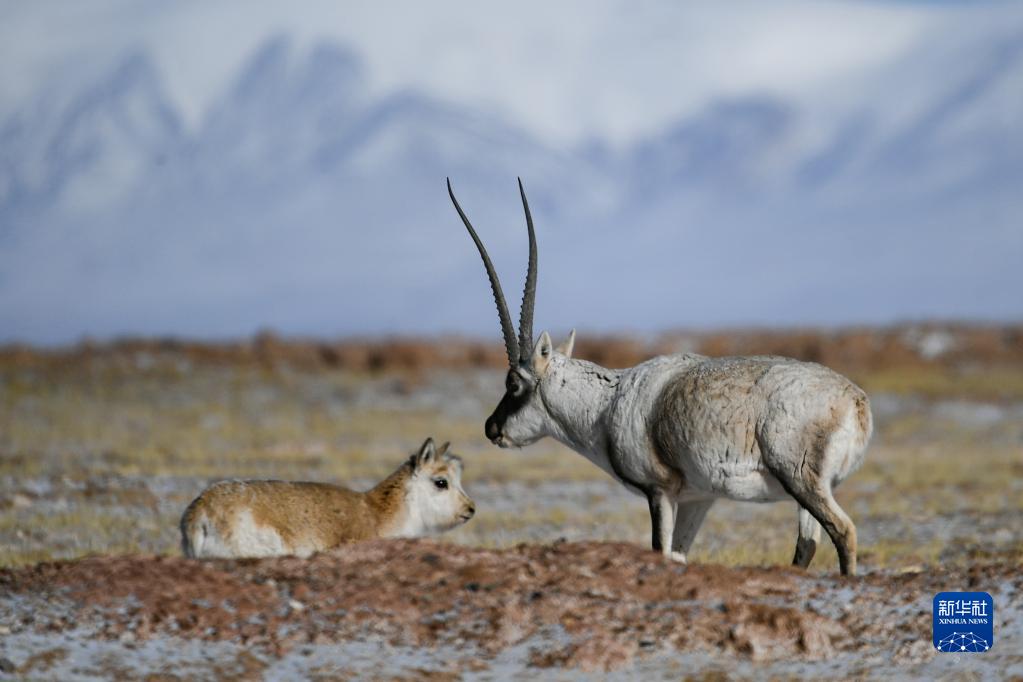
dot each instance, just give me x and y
(581, 406)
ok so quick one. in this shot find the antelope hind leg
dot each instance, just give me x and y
(809, 538)
(822, 505)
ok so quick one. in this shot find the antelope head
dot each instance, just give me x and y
(522, 417)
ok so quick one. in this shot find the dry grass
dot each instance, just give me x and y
(988, 383)
(119, 442)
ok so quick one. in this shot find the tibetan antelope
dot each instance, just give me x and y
(234, 519)
(684, 430)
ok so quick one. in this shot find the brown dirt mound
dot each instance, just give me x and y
(609, 601)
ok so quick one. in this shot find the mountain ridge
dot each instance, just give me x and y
(297, 160)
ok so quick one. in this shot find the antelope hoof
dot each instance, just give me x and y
(678, 557)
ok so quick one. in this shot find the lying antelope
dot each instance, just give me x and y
(273, 518)
(684, 430)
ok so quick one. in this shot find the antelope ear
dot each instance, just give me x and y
(542, 352)
(568, 345)
(426, 453)
(443, 449)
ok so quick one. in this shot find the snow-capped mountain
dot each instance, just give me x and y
(304, 201)
(81, 153)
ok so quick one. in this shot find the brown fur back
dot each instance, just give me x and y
(315, 515)
(270, 518)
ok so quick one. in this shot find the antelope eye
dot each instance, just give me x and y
(441, 483)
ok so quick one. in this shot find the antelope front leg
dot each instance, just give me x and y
(662, 523)
(689, 517)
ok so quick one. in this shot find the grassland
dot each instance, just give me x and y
(100, 452)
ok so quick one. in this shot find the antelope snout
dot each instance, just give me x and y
(493, 431)
(468, 510)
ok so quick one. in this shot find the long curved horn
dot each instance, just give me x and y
(510, 344)
(529, 292)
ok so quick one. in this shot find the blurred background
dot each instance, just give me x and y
(227, 250)
(208, 170)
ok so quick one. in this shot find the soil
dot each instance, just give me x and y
(415, 608)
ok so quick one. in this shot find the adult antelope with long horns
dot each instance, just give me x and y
(684, 430)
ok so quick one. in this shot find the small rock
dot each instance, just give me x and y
(7, 666)
(296, 605)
